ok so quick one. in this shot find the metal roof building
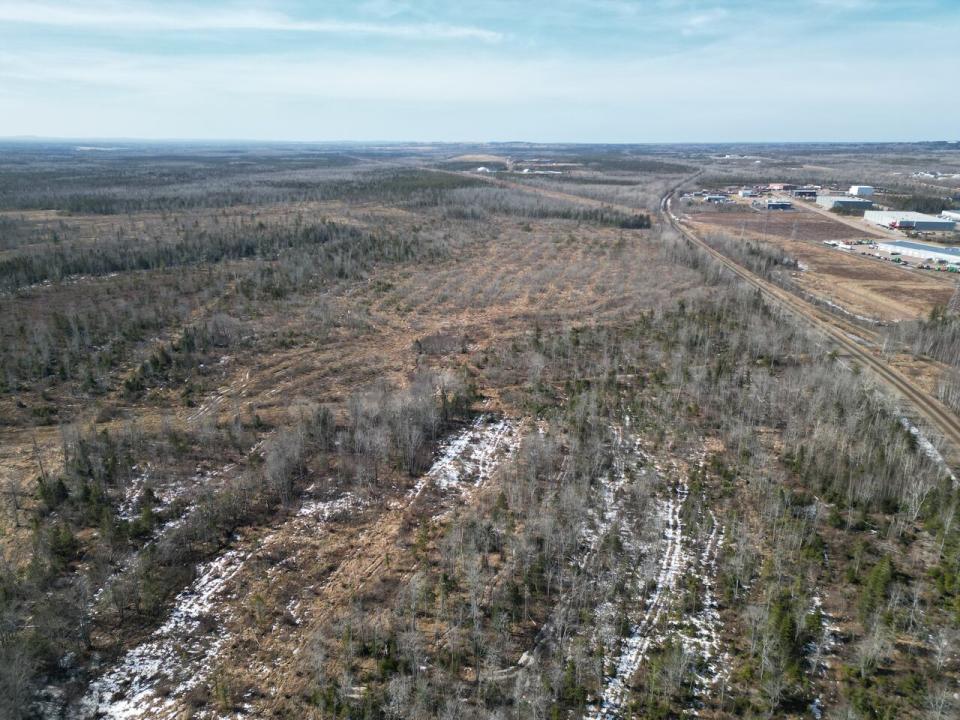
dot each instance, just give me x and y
(861, 190)
(844, 201)
(773, 204)
(951, 215)
(908, 220)
(922, 250)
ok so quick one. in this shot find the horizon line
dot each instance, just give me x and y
(274, 141)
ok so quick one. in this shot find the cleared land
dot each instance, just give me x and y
(797, 224)
(346, 436)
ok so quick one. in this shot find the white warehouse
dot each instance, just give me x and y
(861, 190)
(921, 250)
(908, 220)
(951, 215)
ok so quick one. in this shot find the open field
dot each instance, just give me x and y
(798, 224)
(299, 432)
(863, 286)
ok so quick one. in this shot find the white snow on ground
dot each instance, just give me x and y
(472, 453)
(699, 633)
(181, 653)
(166, 492)
(816, 708)
(835, 306)
(706, 624)
(928, 448)
(600, 520)
(330, 508)
(127, 509)
(664, 560)
(178, 652)
(635, 646)
(166, 495)
(610, 502)
(822, 650)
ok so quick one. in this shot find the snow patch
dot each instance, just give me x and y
(179, 651)
(150, 680)
(928, 448)
(473, 453)
(699, 633)
(638, 641)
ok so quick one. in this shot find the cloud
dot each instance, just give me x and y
(453, 78)
(567, 69)
(141, 17)
(846, 5)
(703, 23)
(329, 96)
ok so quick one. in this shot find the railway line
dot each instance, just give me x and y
(859, 343)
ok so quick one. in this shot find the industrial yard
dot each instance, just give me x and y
(843, 261)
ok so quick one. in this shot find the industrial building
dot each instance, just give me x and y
(909, 221)
(748, 193)
(921, 250)
(772, 204)
(807, 193)
(861, 190)
(951, 215)
(843, 201)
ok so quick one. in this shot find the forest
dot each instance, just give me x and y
(323, 432)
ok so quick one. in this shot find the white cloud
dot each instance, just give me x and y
(744, 75)
(116, 17)
(703, 23)
(452, 78)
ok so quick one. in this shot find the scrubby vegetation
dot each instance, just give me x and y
(813, 463)
(338, 435)
(930, 204)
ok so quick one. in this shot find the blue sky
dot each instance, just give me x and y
(564, 70)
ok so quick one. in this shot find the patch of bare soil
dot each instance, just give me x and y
(788, 225)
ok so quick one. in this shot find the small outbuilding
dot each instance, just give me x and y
(778, 205)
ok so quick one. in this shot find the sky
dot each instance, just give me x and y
(613, 71)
